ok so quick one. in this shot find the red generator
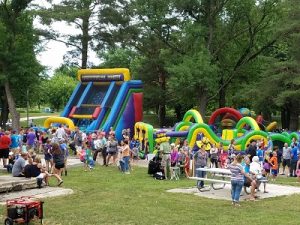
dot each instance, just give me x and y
(23, 210)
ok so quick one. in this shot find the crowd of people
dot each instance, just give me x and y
(20, 153)
(250, 168)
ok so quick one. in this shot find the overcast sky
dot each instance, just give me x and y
(52, 57)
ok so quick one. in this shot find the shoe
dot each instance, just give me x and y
(60, 183)
(282, 174)
(39, 182)
(127, 172)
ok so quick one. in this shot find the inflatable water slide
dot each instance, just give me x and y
(192, 128)
(103, 98)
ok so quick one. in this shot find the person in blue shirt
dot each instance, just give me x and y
(64, 150)
(260, 154)
(294, 159)
(14, 141)
(270, 145)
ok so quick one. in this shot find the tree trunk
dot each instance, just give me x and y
(12, 107)
(267, 116)
(202, 103)
(4, 111)
(85, 41)
(162, 114)
(162, 101)
(283, 117)
(294, 118)
(222, 93)
(178, 113)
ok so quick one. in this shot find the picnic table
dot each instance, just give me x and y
(218, 178)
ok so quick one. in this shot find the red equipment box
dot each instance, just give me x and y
(23, 210)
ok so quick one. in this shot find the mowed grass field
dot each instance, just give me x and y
(105, 196)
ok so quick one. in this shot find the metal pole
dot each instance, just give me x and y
(27, 110)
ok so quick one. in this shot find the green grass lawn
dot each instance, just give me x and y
(105, 196)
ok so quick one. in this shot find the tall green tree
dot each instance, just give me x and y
(58, 89)
(230, 35)
(19, 68)
(82, 15)
(280, 81)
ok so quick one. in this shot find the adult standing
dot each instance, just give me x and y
(126, 156)
(100, 145)
(237, 179)
(200, 161)
(252, 149)
(5, 142)
(31, 139)
(286, 158)
(112, 149)
(214, 156)
(15, 142)
(58, 160)
(60, 133)
(78, 139)
(165, 149)
(294, 159)
(174, 155)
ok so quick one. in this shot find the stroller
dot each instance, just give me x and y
(154, 168)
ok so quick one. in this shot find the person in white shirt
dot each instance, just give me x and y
(100, 146)
(60, 133)
(256, 170)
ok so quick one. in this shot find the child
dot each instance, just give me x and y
(64, 149)
(86, 157)
(44, 175)
(222, 156)
(187, 164)
(11, 161)
(274, 165)
(260, 154)
(47, 155)
(266, 167)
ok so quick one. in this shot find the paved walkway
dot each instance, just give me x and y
(15, 185)
(274, 190)
(44, 192)
(36, 117)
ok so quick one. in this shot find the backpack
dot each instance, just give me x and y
(159, 176)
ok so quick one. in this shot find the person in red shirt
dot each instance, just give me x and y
(5, 142)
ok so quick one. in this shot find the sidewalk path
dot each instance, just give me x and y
(36, 117)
